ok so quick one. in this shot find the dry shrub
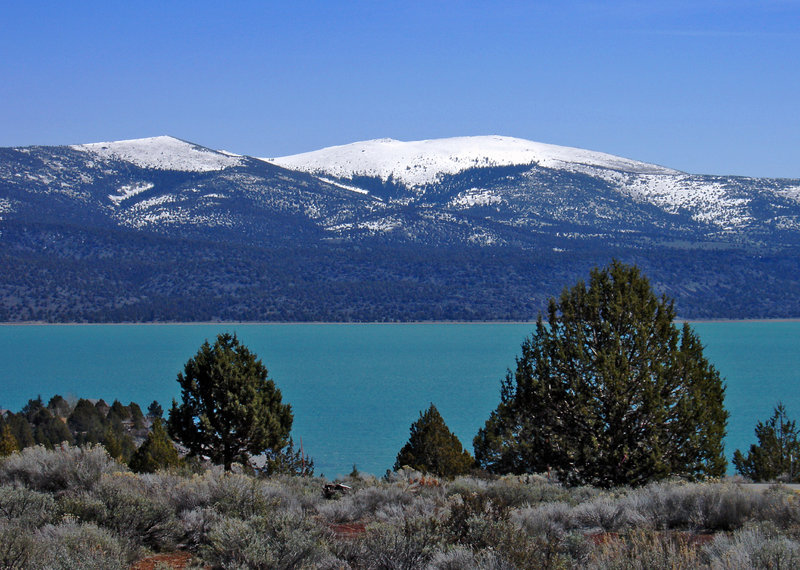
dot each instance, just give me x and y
(79, 545)
(17, 545)
(755, 547)
(133, 513)
(27, 507)
(66, 467)
(644, 550)
(281, 540)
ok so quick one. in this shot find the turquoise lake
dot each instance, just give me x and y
(356, 389)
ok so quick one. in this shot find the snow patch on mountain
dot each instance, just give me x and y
(162, 153)
(475, 197)
(710, 202)
(343, 186)
(418, 163)
(792, 192)
(125, 192)
(5, 206)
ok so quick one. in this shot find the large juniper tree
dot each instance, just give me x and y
(609, 391)
(229, 409)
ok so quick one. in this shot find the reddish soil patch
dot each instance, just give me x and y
(604, 537)
(174, 560)
(700, 539)
(350, 530)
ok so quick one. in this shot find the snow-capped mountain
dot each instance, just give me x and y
(421, 163)
(419, 166)
(462, 228)
(161, 153)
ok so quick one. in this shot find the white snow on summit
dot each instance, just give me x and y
(418, 163)
(163, 153)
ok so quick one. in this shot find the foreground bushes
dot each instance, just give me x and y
(77, 508)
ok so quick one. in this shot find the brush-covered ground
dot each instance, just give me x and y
(75, 507)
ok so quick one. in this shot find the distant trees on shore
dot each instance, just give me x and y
(119, 428)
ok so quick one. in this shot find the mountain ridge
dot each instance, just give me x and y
(485, 242)
(423, 162)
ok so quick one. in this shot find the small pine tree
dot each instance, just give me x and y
(433, 448)
(8, 443)
(21, 430)
(102, 407)
(119, 412)
(58, 406)
(154, 410)
(157, 451)
(87, 423)
(288, 461)
(776, 457)
(112, 444)
(136, 415)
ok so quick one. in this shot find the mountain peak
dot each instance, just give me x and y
(162, 153)
(417, 163)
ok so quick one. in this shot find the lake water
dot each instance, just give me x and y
(356, 389)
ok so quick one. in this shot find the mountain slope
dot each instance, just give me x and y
(464, 228)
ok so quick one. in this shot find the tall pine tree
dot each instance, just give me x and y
(608, 392)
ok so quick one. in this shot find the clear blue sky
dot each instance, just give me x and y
(706, 87)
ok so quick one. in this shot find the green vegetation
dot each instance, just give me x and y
(609, 392)
(230, 409)
(8, 443)
(433, 448)
(157, 451)
(776, 457)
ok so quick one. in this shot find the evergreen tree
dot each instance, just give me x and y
(58, 406)
(608, 392)
(8, 443)
(32, 408)
(229, 409)
(119, 412)
(136, 415)
(288, 461)
(102, 407)
(157, 451)
(21, 430)
(49, 430)
(154, 410)
(87, 423)
(433, 448)
(777, 454)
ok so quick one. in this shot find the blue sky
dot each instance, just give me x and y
(705, 87)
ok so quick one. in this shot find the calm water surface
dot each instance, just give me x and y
(356, 389)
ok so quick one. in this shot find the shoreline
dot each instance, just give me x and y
(295, 323)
